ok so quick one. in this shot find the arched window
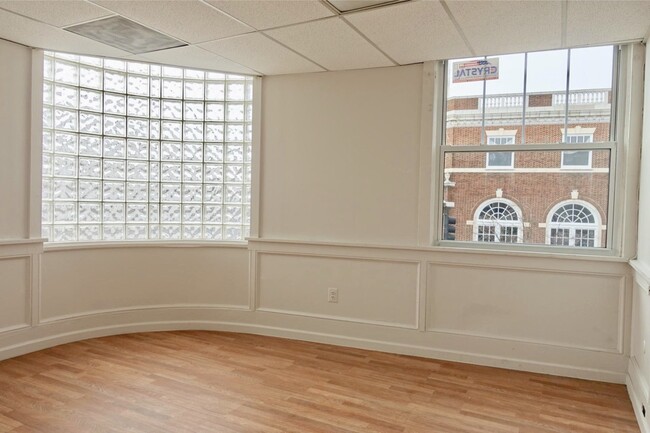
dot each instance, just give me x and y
(498, 220)
(573, 223)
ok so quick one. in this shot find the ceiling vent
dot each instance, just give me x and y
(354, 5)
(126, 35)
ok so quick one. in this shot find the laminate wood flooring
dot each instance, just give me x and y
(212, 382)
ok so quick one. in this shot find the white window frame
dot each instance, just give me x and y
(575, 133)
(518, 224)
(496, 138)
(572, 227)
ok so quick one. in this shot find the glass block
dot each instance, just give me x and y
(235, 153)
(90, 168)
(155, 109)
(215, 111)
(233, 233)
(89, 190)
(192, 152)
(65, 142)
(48, 121)
(170, 172)
(154, 150)
(170, 232)
(114, 82)
(192, 232)
(46, 212)
(248, 133)
(192, 212)
(136, 191)
(213, 173)
(233, 214)
(48, 97)
(113, 212)
(65, 212)
(215, 76)
(248, 153)
(214, 152)
(193, 90)
(138, 85)
(154, 172)
(192, 193)
(138, 68)
(235, 77)
(154, 130)
(138, 128)
(172, 109)
(212, 214)
(171, 131)
(170, 213)
(154, 192)
(90, 145)
(215, 91)
(89, 212)
(249, 89)
(117, 65)
(212, 232)
(64, 233)
(193, 131)
(155, 86)
(65, 166)
(193, 74)
(48, 65)
(136, 232)
(247, 173)
(89, 233)
(114, 148)
(154, 231)
(234, 173)
(90, 100)
(171, 151)
(249, 112)
(46, 232)
(65, 119)
(234, 132)
(114, 125)
(137, 170)
(137, 149)
(65, 96)
(213, 194)
(214, 132)
(138, 107)
(90, 123)
(154, 213)
(247, 215)
(46, 189)
(247, 193)
(170, 192)
(193, 111)
(115, 104)
(113, 191)
(172, 88)
(65, 72)
(113, 232)
(235, 112)
(64, 189)
(235, 91)
(47, 164)
(170, 71)
(114, 169)
(92, 61)
(192, 173)
(234, 193)
(137, 213)
(90, 77)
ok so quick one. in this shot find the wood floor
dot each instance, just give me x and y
(222, 382)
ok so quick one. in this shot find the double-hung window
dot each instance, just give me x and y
(532, 130)
(137, 151)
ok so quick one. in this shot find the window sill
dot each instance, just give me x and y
(142, 244)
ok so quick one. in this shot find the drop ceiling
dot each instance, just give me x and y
(270, 37)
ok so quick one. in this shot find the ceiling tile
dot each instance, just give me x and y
(189, 20)
(411, 32)
(495, 27)
(332, 44)
(34, 34)
(195, 57)
(264, 14)
(65, 13)
(594, 22)
(262, 54)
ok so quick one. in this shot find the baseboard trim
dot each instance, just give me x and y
(48, 335)
(637, 389)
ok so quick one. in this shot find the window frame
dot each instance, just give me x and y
(512, 154)
(572, 227)
(575, 134)
(518, 224)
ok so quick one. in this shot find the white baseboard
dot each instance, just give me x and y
(637, 388)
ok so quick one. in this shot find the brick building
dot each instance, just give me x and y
(495, 196)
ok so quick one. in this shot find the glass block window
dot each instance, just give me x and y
(574, 224)
(498, 221)
(136, 151)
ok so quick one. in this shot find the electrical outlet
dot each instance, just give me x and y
(333, 294)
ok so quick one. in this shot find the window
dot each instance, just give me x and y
(537, 126)
(498, 221)
(136, 151)
(575, 224)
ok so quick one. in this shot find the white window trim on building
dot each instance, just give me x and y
(498, 224)
(596, 226)
(500, 137)
(572, 135)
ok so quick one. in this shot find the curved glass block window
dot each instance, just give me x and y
(137, 151)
